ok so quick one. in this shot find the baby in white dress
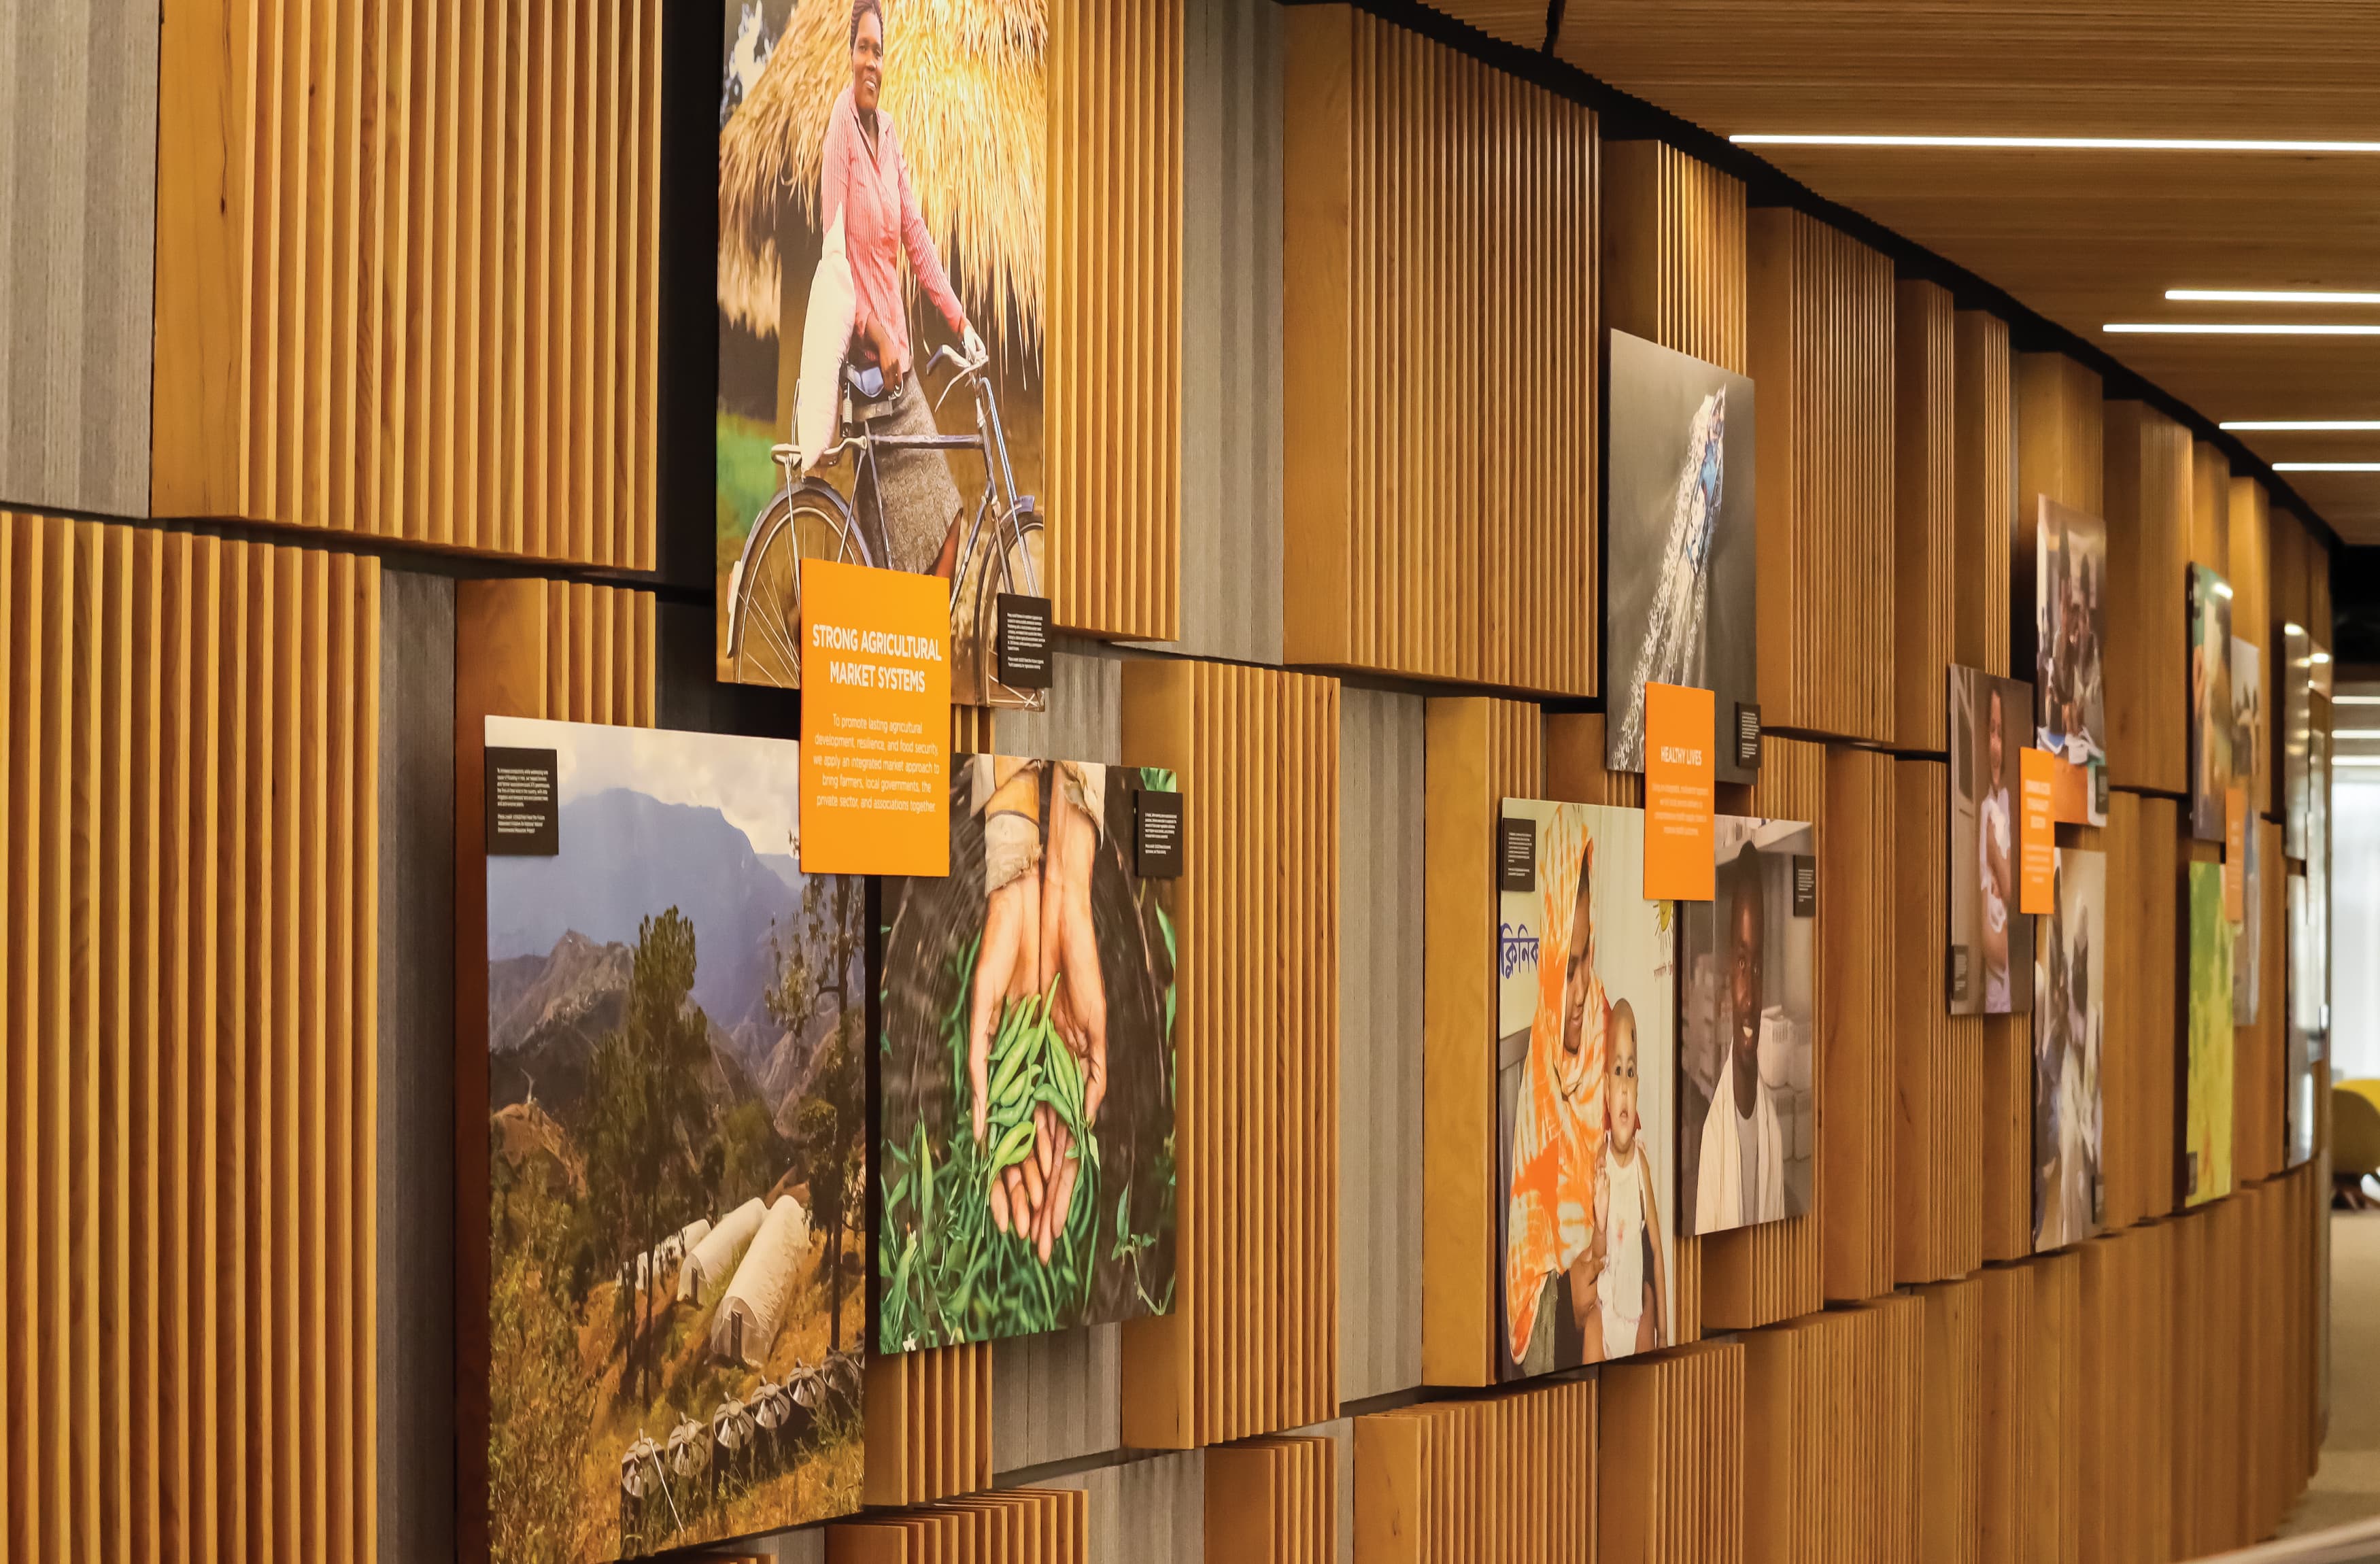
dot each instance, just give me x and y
(1629, 1291)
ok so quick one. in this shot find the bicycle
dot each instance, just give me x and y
(809, 518)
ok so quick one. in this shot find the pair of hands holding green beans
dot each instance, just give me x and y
(1040, 963)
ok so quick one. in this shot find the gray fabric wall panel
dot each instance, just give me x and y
(1380, 779)
(1230, 330)
(1084, 720)
(78, 185)
(1054, 1397)
(1150, 1511)
(417, 1067)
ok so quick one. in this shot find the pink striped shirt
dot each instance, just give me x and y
(870, 187)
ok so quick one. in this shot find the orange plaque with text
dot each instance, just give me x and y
(876, 721)
(1681, 780)
(2037, 833)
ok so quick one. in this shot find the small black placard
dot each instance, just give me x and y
(1747, 736)
(1023, 649)
(522, 817)
(1157, 835)
(1958, 974)
(1805, 886)
(1516, 854)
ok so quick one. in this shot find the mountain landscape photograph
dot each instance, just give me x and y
(677, 1107)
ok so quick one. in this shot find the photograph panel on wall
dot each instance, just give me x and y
(1586, 1055)
(677, 1094)
(2069, 1029)
(2070, 630)
(2212, 721)
(1681, 551)
(2209, 1047)
(1991, 946)
(2249, 716)
(881, 310)
(2296, 723)
(1026, 1169)
(2308, 1023)
(1748, 963)
(2248, 932)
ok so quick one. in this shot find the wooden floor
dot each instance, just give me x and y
(2347, 1487)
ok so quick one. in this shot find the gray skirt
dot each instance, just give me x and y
(915, 489)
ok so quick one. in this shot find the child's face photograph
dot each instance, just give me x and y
(1620, 1085)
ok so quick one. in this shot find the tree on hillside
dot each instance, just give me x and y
(649, 1117)
(824, 958)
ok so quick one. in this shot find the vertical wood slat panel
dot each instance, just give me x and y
(1671, 1469)
(1113, 401)
(1927, 565)
(1432, 528)
(1672, 252)
(1984, 408)
(1479, 752)
(1821, 323)
(1937, 1139)
(1252, 1345)
(349, 338)
(2147, 489)
(1511, 1476)
(166, 1190)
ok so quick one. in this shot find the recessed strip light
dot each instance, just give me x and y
(2265, 296)
(2060, 143)
(2357, 732)
(2305, 426)
(2243, 328)
(2326, 467)
(2355, 759)
(2355, 700)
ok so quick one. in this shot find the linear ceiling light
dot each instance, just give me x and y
(2305, 426)
(2326, 467)
(2243, 328)
(2265, 296)
(2060, 143)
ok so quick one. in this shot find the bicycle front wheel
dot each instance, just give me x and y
(1010, 567)
(809, 521)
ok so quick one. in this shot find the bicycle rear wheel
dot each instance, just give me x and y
(809, 521)
(1013, 568)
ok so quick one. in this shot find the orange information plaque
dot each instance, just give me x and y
(2038, 834)
(876, 721)
(2234, 853)
(1680, 780)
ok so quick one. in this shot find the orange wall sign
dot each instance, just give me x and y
(2235, 852)
(1680, 778)
(876, 721)
(2038, 834)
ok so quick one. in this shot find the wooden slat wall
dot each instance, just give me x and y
(926, 1424)
(415, 285)
(1252, 1345)
(2009, 1485)
(1858, 947)
(1516, 1476)
(77, 140)
(1480, 752)
(1673, 253)
(1756, 1275)
(1984, 408)
(191, 727)
(1434, 526)
(2210, 507)
(2007, 1184)
(1924, 512)
(1382, 947)
(1833, 1442)
(565, 651)
(1670, 1458)
(1273, 1501)
(2147, 489)
(1821, 315)
(1938, 1154)
(1012, 1526)
(1113, 402)
(1950, 1424)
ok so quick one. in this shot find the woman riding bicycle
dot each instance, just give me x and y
(864, 180)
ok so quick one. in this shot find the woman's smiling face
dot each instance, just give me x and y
(867, 61)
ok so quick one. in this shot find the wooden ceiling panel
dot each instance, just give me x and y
(2085, 238)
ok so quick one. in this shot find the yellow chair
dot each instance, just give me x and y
(2354, 1133)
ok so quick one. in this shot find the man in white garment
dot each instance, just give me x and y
(1742, 1177)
